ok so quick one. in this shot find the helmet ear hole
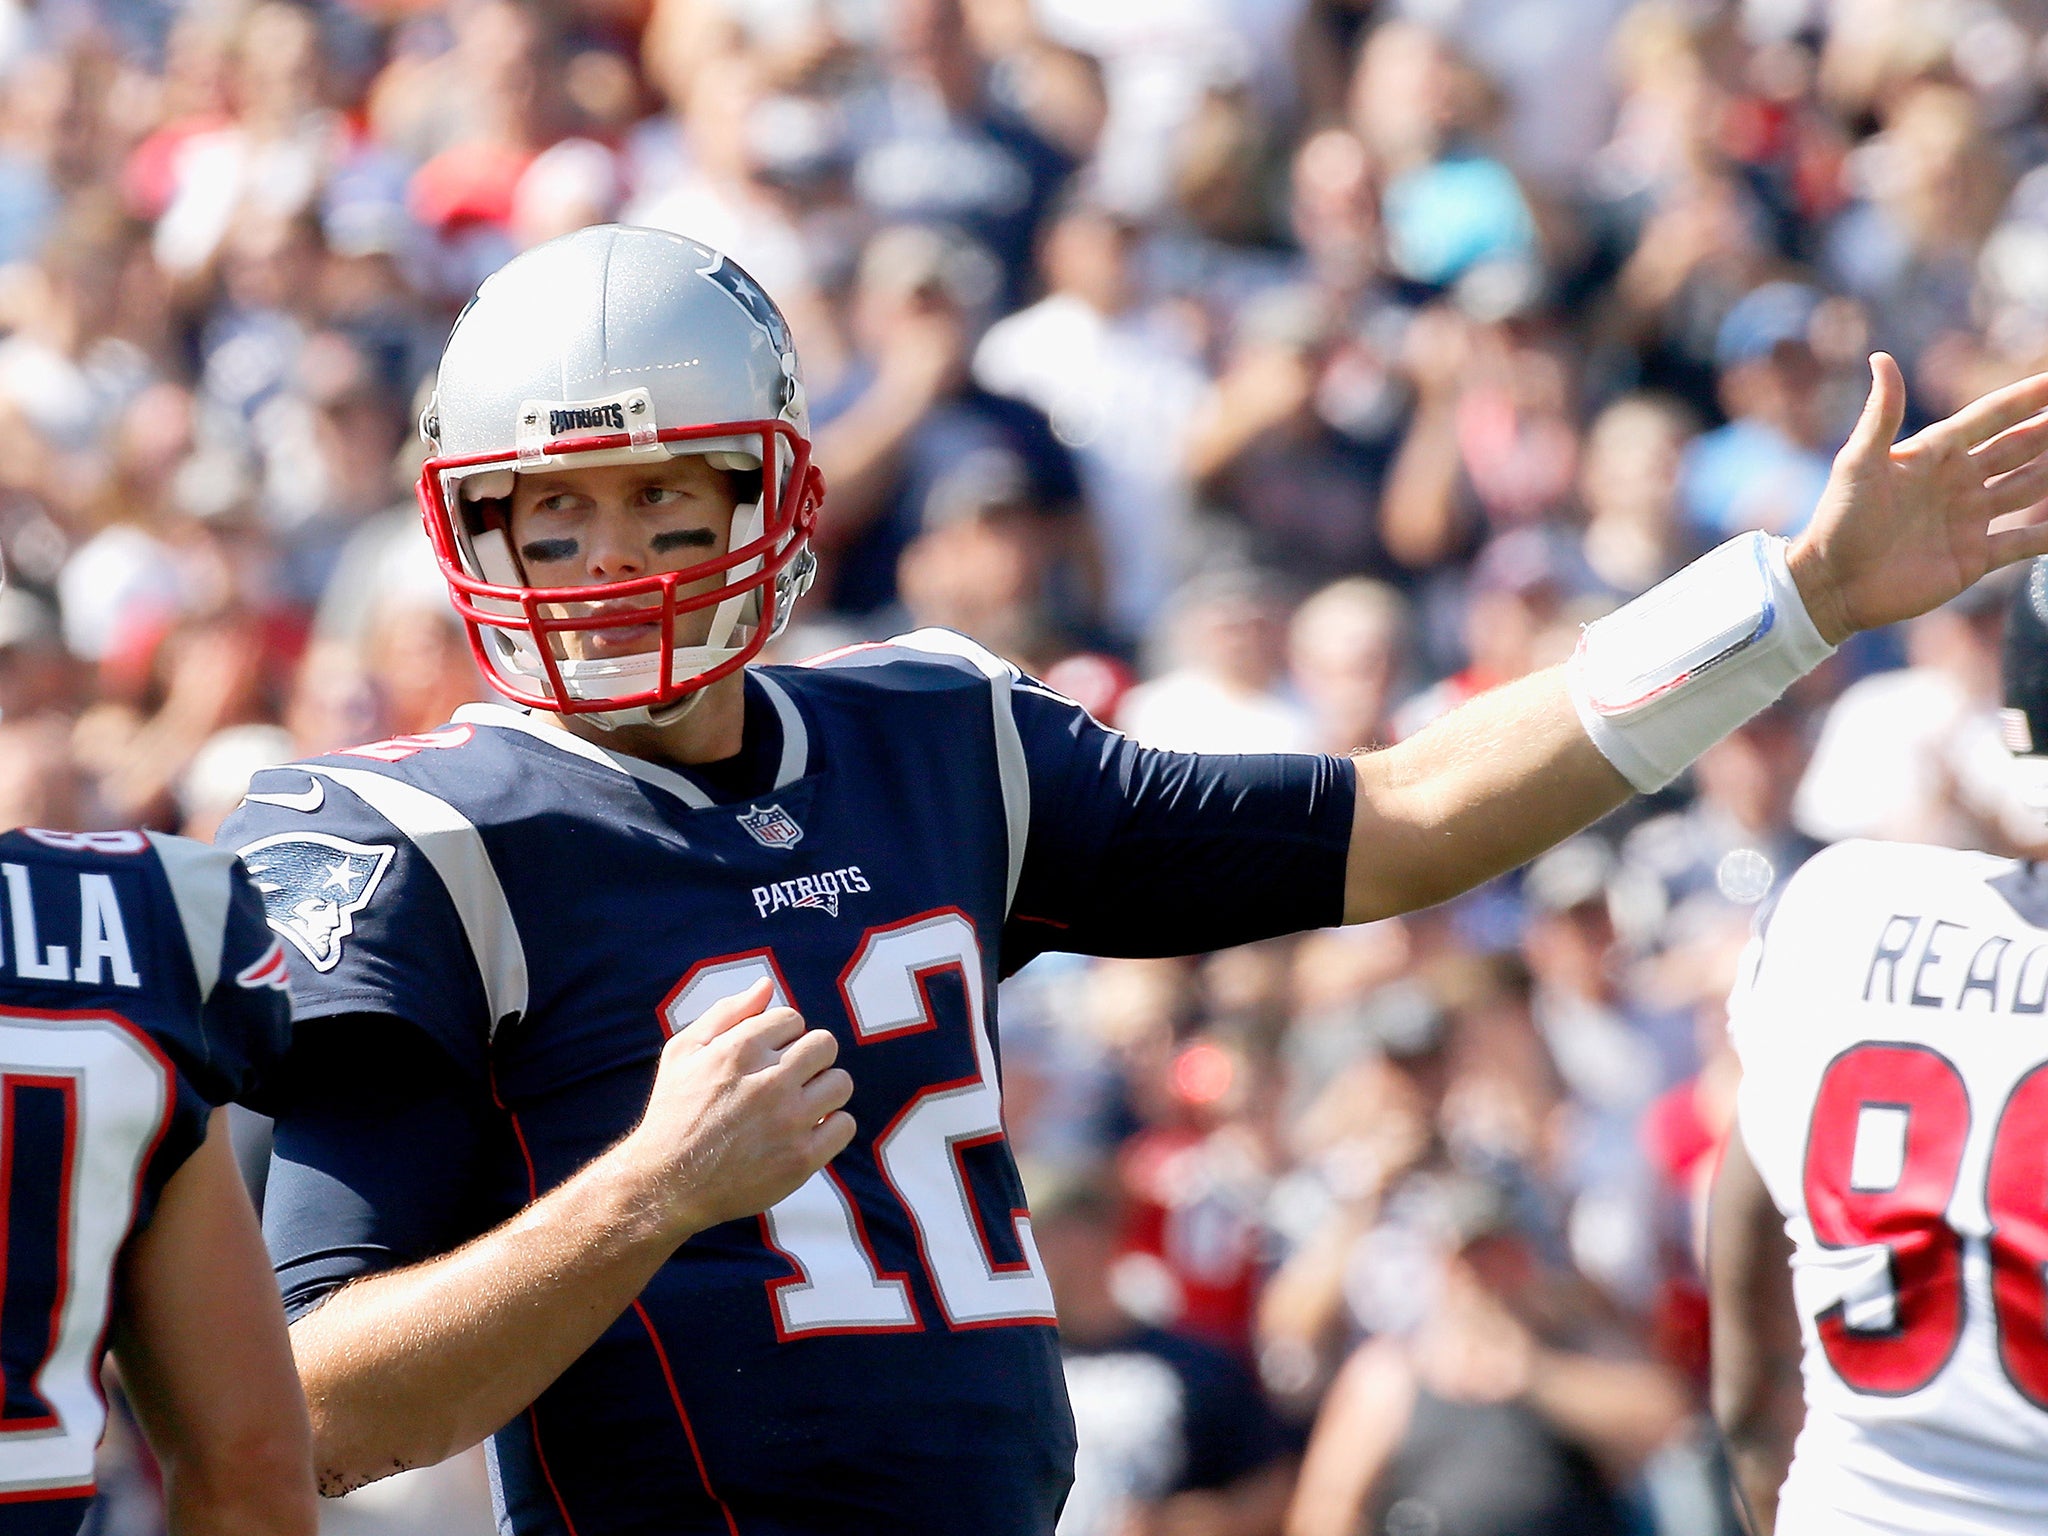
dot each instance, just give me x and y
(745, 486)
(487, 514)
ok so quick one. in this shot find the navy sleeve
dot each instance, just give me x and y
(1134, 851)
(377, 1157)
(225, 1022)
(246, 1019)
(368, 925)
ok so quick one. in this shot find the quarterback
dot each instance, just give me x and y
(1879, 1226)
(553, 960)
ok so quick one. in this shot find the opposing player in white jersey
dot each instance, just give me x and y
(1878, 1239)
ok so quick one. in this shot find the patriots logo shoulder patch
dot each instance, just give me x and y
(313, 884)
(771, 826)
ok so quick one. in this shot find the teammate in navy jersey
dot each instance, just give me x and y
(139, 990)
(547, 1071)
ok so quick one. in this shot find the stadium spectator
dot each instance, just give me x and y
(1297, 492)
(1628, 490)
(1766, 467)
(1118, 378)
(1174, 1433)
(1347, 652)
(907, 410)
(1499, 1412)
(1914, 753)
(1220, 689)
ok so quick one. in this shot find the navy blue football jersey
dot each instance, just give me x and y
(908, 823)
(139, 989)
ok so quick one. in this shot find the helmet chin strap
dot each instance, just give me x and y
(660, 717)
(746, 607)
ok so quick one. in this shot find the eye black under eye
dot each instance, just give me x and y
(682, 538)
(544, 550)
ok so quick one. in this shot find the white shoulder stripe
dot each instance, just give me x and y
(199, 876)
(451, 843)
(796, 740)
(1057, 697)
(1009, 741)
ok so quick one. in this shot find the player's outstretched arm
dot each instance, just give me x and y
(200, 1339)
(1758, 1397)
(1901, 528)
(405, 1369)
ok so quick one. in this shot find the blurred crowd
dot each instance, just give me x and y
(1269, 375)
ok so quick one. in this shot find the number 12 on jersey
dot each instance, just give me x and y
(1883, 1158)
(840, 1287)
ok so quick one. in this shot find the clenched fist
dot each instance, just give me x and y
(746, 1106)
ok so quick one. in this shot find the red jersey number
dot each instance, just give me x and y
(1916, 1096)
(1883, 1157)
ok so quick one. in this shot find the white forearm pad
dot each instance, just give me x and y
(1663, 678)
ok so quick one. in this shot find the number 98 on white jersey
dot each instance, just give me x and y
(1892, 1020)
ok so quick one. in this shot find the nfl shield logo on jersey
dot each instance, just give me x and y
(313, 884)
(771, 826)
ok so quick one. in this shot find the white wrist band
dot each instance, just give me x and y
(1664, 677)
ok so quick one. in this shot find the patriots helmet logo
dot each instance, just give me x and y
(312, 885)
(749, 295)
(771, 826)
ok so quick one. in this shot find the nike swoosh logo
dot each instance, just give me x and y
(309, 799)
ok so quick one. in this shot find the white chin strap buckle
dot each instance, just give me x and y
(1664, 677)
(2029, 782)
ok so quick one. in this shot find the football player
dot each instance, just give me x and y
(139, 990)
(1878, 1233)
(519, 938)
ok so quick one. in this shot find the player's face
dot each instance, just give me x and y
(585, 527)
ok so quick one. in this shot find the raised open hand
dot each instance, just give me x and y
(1903, 527)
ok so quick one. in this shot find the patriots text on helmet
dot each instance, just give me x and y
(586, 418)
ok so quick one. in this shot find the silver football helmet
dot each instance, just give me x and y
(614, 345)
(2023, 665)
